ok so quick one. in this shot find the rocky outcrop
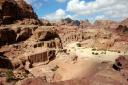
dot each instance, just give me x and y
(69, 21)
(44, 38)
(124, 22)
(84, 24)
(45, 56)
(46, 22)
(105, 24)
(121, 63)
(122, 29)
(7, 36)
(27, 21)
(24, 32)
(25, 10)
(5, 62)
(34, 57)
(20, 11)
(7, 15)
(44, 35)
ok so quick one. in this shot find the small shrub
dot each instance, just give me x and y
(10, 75)
(93, 53)
(78, 45)
(119, 52)
(93, 49)
(96, 53)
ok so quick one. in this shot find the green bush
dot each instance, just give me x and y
(78, 45)
(95, 53)
(10, 75)
(93, 49)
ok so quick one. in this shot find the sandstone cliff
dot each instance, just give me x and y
(20, 11)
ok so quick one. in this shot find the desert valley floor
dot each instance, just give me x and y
(67, 52)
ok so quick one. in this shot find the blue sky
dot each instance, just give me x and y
(80, 9)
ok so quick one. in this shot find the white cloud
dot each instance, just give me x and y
(57, 15)
(61, 1)
(112, 8)
(100, 17)
(35, 3)
(30, 1)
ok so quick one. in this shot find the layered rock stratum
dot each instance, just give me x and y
(69, 52)
(21, 10)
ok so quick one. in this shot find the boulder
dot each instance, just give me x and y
(121, 63)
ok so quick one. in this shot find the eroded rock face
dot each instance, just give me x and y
(122, 29)
(24, 32)
(105, 24)
(121, 63)
(25, 10)
(44, 38)
(84, 24)
(46, 23)
(44, 35)
(5, 62)
(124, 22)
(7, 14)
(20, 10)
(7, 36)
(69, 21)
(45, 56)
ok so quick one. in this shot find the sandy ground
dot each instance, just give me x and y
(86, 65)
(69, 70)
(87, 53)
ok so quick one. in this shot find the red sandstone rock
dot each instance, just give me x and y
(20, 11)
(124, 22)
(7, 36)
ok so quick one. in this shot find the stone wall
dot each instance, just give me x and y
(42, 56)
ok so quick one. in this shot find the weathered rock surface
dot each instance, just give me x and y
(24, 32)
(30, 49)
(44, 56)
(124, 22)
(69, 21)
(104, 75)
(7, 36)
(84, 24)
(105, 23)
(122, 29)
(20, 11)
(46, 23)
(44, 37)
